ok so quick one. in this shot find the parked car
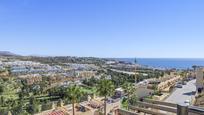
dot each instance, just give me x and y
(184, 83)
(187, 102)
(179, 86)
(179, 82)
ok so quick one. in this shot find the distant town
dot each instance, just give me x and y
(93, 86)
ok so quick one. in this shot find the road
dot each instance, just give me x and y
(181, 94)
(126, 72)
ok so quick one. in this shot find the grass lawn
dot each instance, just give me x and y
(89, 90)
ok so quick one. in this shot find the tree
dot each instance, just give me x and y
(2, 100)
(18, 109)
(105, 88)
(90, 82)
(1, 89)
(133, 100)
(194, 67)
(129, 89)
(136, 71)
(34, 106)
(74, 93)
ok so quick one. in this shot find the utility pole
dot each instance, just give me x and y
(135, 71)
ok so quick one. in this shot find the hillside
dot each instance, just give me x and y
(7, 53)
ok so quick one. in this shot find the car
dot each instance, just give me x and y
(191, 78)
(187, 102)
(193, 92)
(179, 82)
(184, 83)
(179, 86)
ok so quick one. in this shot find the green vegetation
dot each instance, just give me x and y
(129, 89)
(74, 93)
(120, 78)
(22, 99)
(90, 82)
(89, 90)
(105, 88)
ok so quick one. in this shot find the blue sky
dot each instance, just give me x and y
(103, 28)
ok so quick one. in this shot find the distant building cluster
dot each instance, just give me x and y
(33, 72)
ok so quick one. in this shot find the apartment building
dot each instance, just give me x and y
(200, 79)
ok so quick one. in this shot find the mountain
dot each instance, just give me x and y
(7, 53)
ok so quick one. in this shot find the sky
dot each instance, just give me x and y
(103, 28)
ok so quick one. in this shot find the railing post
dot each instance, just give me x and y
(182, 109)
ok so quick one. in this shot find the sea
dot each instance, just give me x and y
(167, 63)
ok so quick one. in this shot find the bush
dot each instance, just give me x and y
(46, 106)
(60, 103)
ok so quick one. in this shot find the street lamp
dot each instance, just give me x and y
(135, 70)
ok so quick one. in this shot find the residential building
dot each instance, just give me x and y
(31, 79)
(85, 74)
(200, 79)
(167, 82)
(142, 89)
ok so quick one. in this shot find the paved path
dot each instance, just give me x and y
(181, 94)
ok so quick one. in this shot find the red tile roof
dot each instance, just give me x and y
(57, 113)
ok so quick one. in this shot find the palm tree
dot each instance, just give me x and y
(194, 70)
(1, 89)
(74, 93)
(105, 88)
(129, 89)
(194, 67)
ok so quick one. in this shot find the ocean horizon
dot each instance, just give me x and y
(178, 63)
